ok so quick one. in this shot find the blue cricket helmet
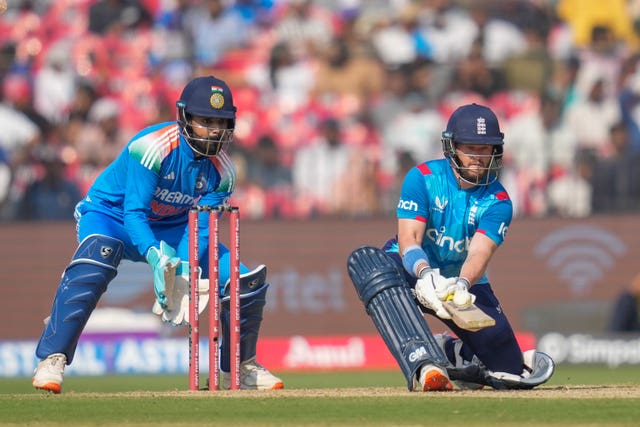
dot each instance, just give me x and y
(474, 124)
(208, 97)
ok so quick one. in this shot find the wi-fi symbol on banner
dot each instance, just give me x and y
(580, 254)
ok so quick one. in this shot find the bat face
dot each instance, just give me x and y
(470, 318)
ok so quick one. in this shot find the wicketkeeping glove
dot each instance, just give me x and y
(176, 310)
(163, 262)
(429, 288)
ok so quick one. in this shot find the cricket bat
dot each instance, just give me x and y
(470, 318)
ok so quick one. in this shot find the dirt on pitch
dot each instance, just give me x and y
(564, 392)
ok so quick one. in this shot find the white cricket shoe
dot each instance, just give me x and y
(253, 376)
(48, 374)
(433, 378)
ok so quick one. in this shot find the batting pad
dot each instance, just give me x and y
(389, 303)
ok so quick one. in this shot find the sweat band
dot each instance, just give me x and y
(412, 257)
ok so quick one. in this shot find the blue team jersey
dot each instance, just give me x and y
(430, 193)
(155, 180)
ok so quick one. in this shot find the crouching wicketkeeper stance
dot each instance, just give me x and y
(138, 210)
(452, 216)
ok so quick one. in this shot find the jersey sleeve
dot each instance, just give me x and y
(145, 156)
(413, 203)
(496, 220)
(140, 187)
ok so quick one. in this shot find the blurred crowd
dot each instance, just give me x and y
(336, 98)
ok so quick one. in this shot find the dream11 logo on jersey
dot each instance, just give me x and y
(580, 254)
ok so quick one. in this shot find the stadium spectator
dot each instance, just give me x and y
(117, 16)
(416, 129)
(570, 193)
(540, 146)
(590, 119)
(265, 165)
(625, 313)
(305, 26)
(215, 29)
(616, 177)
(346, 81)
(52, 196)
(54, 84)
(318, 169)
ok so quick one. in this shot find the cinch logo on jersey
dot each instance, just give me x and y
(444, 241)
(408, 205)
(417, 354)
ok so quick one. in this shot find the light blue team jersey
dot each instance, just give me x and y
(430, 193)
(153, 183)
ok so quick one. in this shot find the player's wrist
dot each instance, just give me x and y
(423, 271)
(463, 281)
(415, 260)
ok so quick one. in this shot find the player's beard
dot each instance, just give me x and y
(476, 171)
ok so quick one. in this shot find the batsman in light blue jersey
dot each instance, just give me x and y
(137, 209)
(453, 214)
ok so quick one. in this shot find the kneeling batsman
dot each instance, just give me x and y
(392, 306)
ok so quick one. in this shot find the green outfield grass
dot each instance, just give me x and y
(330, 398)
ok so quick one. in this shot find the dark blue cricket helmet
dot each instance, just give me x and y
(207, 97)
(474, 124)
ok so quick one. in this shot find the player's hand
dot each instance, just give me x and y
(176, 311)
(459, 293)
(163, 262)
(427, 288)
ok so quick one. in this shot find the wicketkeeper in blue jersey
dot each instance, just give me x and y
(453, 214)
(137, 209)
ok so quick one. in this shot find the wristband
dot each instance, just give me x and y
(465, 281)
(412, 257)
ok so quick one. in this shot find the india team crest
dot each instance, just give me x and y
(201, 183)
(217, 99)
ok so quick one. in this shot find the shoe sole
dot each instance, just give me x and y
(435, 381)
(50, 387)
(277, 386)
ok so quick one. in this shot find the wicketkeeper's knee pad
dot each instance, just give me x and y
(388, 300)
(253, 293)
(93, 266)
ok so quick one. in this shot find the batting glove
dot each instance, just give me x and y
(427, 288)
(459, 293)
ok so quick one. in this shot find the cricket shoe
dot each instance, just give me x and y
(48, 374)
(253, 376)
(433, 378)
